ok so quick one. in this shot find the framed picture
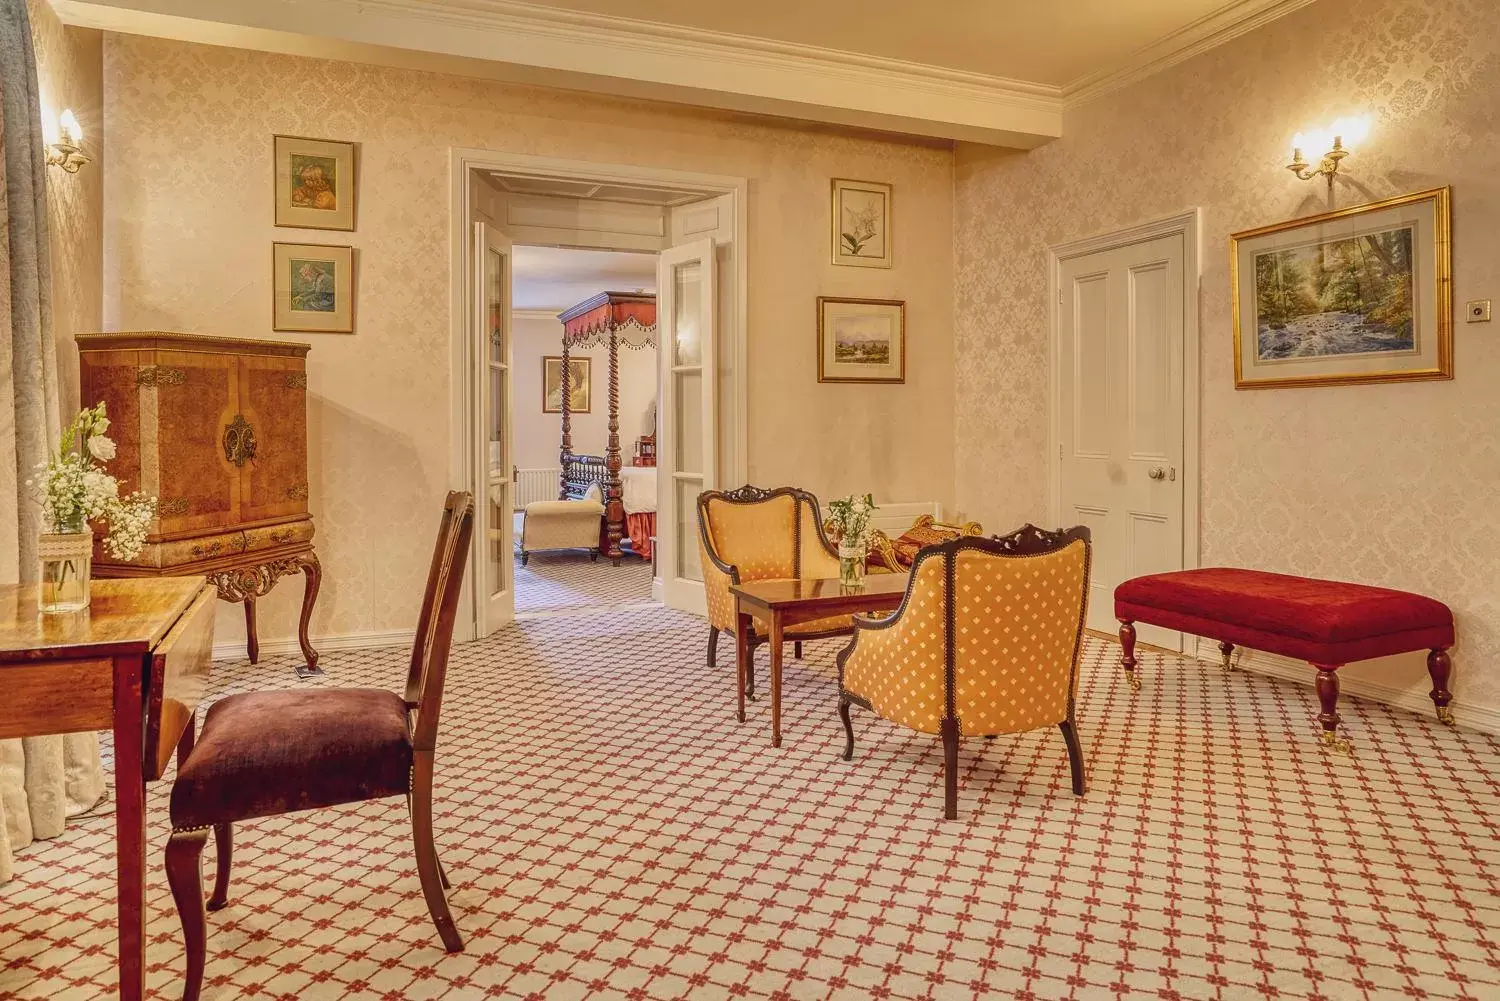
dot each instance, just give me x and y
(313, 288)
(1363, 294)
(578, 384)
(315, 183)
(861, 223)
(861, 340)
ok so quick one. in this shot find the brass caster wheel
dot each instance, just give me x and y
(1134, 679)
(1335, 742)
(1445, 716)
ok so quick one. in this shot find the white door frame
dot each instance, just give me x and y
(463, 413)
(1189, 225)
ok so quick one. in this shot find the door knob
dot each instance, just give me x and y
(1157, 473)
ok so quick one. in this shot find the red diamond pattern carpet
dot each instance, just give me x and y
(611, 833)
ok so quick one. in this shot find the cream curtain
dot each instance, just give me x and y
(43, 780)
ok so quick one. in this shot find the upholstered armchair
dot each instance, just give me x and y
(986, 642)
(754, 534)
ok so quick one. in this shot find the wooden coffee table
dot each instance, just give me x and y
(782, 604)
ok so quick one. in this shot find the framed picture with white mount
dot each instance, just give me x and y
(861, 214)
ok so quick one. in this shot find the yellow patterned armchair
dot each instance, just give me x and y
(754, 534)
(985, 642)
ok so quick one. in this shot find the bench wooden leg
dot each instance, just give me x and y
(1127, 653)
(1439, 667)
(1328, 699)
(1227, 649)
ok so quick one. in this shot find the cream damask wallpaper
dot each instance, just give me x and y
(187, 247)
(70, 75)
(1393, 485)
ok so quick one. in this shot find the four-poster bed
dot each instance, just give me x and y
(614, 319)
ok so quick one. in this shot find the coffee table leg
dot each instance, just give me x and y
(130, 827)
(776, 634)
(1328, 699)
(742, 655)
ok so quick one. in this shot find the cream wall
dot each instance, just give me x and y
(537, 435)
(70, 66)
(187, 246)
(1387, 484)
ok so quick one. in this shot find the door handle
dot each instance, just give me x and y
(1157, 473)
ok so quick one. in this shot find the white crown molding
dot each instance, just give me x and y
(615, 55)
(1214, 29)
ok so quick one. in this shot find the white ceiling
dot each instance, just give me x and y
(554, 278)
(1039, 41)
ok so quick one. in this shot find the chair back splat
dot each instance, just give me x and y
(429, 653)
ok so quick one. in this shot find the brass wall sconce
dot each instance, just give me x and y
(1352, 130)
(66, 152)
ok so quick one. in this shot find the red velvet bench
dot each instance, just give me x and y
(1326, 623)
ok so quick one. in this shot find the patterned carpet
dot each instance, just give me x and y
(568, 579)
(612, 834)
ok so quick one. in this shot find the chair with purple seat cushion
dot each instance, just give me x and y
(266, 753)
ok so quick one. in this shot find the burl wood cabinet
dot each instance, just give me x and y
(216, 429)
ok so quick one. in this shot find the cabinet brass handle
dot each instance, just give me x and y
(239, 440)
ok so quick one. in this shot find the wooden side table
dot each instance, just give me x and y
(782, 604)
(136, 661)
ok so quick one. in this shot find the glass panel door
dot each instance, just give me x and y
(494, 525)
(687, 462)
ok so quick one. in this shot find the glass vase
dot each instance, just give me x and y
(67, 560)
(851, 567)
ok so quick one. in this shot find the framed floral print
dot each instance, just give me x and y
(861, 223)
(861, 340)
(313, 288)
(315, 183)
(1363, 294)
(578, 384)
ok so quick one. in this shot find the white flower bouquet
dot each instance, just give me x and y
(74, 490)
(849, 518)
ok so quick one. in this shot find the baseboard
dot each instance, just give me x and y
(1481, 718)
(323, 644)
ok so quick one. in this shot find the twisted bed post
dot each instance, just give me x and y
(567, 424)
(614, 503)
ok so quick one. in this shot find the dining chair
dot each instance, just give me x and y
(262, 754)
(986, 641)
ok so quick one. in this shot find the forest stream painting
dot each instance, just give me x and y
(1340, 297)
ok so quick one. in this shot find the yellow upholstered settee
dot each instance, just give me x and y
(986, 641)
(754, 534)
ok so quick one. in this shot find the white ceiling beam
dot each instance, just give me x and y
(504, 39)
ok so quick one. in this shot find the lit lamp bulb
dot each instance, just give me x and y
(72, 132)
(66, 152)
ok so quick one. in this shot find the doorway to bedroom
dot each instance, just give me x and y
(583, 421)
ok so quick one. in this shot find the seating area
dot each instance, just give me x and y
(780, 502)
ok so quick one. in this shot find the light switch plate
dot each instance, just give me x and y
(1477, 311)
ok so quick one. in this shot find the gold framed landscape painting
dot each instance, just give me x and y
(578, 384)
(315, 183)
(861, 340)
(1363, 294)
(861, 223)
(313, 288)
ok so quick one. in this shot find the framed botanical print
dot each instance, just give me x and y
(861, 340)
(578, 384)
(1363, 294)
(313, 288)
(861, 223)
(315, 183)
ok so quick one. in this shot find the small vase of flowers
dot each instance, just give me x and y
(849, 519)
(74, 489)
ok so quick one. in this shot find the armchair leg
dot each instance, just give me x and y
(797, 649)
(848, 728)
(185, 876)
(1075, 754)
(713, 648)
(950, 768)
(750, 673)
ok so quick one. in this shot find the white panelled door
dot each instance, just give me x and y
(1121, 316)
(687, 446)
(493, 524)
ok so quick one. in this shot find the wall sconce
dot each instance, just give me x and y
(1352, 130)
(66, 152)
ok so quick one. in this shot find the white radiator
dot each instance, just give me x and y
(536, 485)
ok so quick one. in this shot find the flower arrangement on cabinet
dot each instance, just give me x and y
(74, 489)
(849, 521)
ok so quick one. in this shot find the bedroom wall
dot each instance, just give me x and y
(537, 435)
(187, 241)
(70, 67)
(1392, 484)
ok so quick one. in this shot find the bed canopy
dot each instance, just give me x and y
(614, 319)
